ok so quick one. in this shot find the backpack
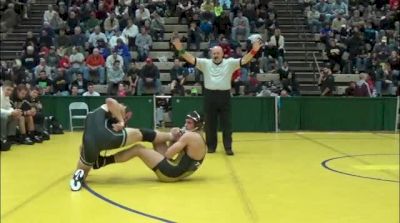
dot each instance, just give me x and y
(53, 125)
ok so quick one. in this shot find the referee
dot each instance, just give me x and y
(217, 82)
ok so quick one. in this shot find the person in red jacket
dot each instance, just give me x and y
(95, 63)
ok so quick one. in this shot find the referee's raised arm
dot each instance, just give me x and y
(182, 52)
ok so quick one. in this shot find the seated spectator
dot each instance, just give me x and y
(207, 10)
(74, 90)
(31, 40)
(338, 23)
(53, 59)
(339, 7)
(184, 9)
(25, 122)
(91, 91)
(38, 118)
(122, 92)
(78, 38)
(249, 11)
(102, 11)
(115, 75)
(97, 35)
(383, 79)
(382, 50)
(252, 86)
(61, 83)
(313, 20)
(63, 11)
(9, 19)
(30, 59)
(225, 3)
(206, 28)
(121, 9)
(350, 90)
(276, 47)
(226, 47)
(56, 23)
(123, 50)
(142, 14)
(72, 22)
(9, 117)
(334, 54)
(355, 45)
(193, 37)
(157, 27)
(45, 40)
(95, 64)
(235, 82)
(356, 20)
(222, 25)
(18, 74)
(81, 83)
(77, 61)
(44, 83)
(91, 23)
(271, 23)
(240, 26)
(42, 67)
(133, 76)
(112, 58)
(143, 43)
(178, 78)
(117, 35)
(130, 32)
(149, 78)
(362, 88)
(62, 42)
(326, 82)
(110, 25)
(394, 61)
(49, 14)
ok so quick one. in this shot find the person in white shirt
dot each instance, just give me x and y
(91, 91)
(9, 116)
(130, 32)
(142, 14)
(48, 14)
(96, 35)
(217, 83)
(112, 58)
(113, 40)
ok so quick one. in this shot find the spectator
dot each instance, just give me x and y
(38, 118)
(63, 11)
(271, 23)
(30, 59)
(143, 43)
(78, 38)
(102, 11)
(178, 78)
(9, 116)
(226, 47)
(249, 12)
(60, 83)
(9, 19)
(350, 90)
(31, 40)
(362, 88)
(81, 83)
(313, 20)
(121, 9)
(95, 62)
(338, 23)
(206, 27)
(222, 24)
(91, 23)
(62, 41)
(122, 92)
(334, 54)
(142, 14)
(72, 22)
(184, 8)
(383, 79)
(207, 10)
(382, 50)
(26, 125)
(63, 63)
(19, 75)
(149, 77)
(91, 91)
(44, 83)
(110, 25)
(115, 75)
(45, 40)
(42, 67)
(394, 61)
(193, 36)
(77, 61)
(133, 76)
(276, 47)
(356, 20)
(130, 32)
(241, 26)
(112, 58)
(115, 37)
(104, 50)
(74, 90)
(96, 35)
(123, 50)
(157, 27)
(339, 7)
(326, 82)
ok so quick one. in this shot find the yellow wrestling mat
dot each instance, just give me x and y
(275, 178)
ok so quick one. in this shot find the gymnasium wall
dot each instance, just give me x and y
(256, 114)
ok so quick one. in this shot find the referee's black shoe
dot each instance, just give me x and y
(229, 152)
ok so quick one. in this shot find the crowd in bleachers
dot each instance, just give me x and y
(360, 37)
(111, 43)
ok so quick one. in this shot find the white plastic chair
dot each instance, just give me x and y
(77, 106)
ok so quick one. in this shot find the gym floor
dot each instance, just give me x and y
(299, 177)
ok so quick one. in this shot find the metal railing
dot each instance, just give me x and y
(315, 67)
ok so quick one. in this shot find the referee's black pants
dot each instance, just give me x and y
(217, 105)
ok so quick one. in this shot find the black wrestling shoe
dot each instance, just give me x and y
(5, 145)
(210, 150)
(100, 162)
(77, 180)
